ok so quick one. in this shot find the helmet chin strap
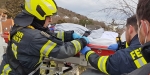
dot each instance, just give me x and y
(38, 24)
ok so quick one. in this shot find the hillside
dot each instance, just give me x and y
(64, 15)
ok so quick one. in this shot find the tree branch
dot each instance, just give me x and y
(128, 7)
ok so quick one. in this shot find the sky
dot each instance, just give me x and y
(93, 8)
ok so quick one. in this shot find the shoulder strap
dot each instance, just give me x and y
(45, 34)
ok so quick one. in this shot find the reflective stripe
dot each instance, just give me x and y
(127, 45)
(60, 35)
(28, 4)
(14, 49)
(36, 69)
(140, 62)
(31, 27)
(40, 60)
(88, 54)
(6, 70)
(47, 48)
(102, 63)
(77, 46)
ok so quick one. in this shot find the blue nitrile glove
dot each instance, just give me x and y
(85, 49)
(87, 40)
(76, 36)
(113, 47)
(51, 29)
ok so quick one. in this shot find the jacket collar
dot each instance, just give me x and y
(135, 41)
(23, 19)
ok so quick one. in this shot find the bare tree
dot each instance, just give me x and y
(116, 9)
(121, 9)
(13, 6)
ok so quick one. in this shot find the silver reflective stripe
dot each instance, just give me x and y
(36, 69)
(6, 70)
(102, 63)
(140, 62)
(28, 4)
(47, 48)
(60, 35)
(77, 45)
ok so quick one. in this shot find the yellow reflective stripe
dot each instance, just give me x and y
(88, 54)
(140, 62)
(40, 60)
(102, 63)
(31, 27)
(77, 46)
(63, 36)
(144, 61)
(127, 45)
(14, 49)
(60, 35)
(47, 48)
(6, 70)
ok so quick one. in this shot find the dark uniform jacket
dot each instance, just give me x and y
(123, 61)
(30, 46)
(144, 70)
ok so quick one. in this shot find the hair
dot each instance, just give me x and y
(133, 22)
(3, 10)
(143, 10)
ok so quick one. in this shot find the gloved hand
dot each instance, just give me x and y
(51, 29)
(87, 40)
(76, 36)
(113, 47)
(85, 49)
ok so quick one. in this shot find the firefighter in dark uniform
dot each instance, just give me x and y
(31, 40)
(143, 21)
(123, 61)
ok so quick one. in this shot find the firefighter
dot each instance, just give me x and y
(31, 41)
(143, 21)
(123, 61)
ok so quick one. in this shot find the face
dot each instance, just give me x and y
(48, 21)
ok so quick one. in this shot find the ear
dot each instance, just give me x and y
(131, 29)
(143, 26)
(147, 24)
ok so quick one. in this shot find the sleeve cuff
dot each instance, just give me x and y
(88, 53)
